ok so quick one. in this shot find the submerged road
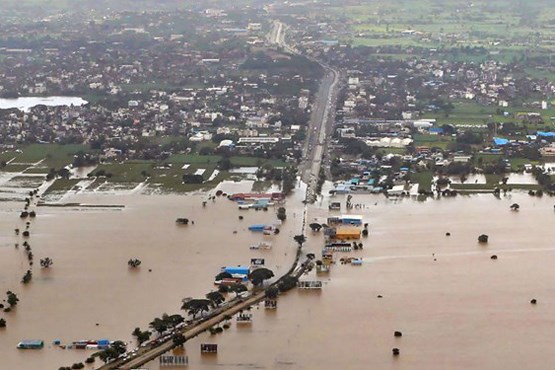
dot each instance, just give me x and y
(322, 118)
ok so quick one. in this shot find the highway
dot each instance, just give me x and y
(322, 118)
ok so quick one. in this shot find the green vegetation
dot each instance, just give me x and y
(61, 185)
(424, 180)
(54, 155)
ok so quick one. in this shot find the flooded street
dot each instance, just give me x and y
(462, 310)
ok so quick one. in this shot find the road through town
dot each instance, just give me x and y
(321, 120)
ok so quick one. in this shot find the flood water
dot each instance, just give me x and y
(26, 103)
(456, 307)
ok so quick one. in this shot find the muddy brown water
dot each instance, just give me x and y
(456, 308)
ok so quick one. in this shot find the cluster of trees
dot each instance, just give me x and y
(77, 365)
(46, 262)
(115, 350)
(161, 324)
(258, 276)
(196, 306)
(134, 262)
(193, 179)
(236, 288)
(62, 173)
(100, 173)
(141, 336)
(82, 159)
(281, 214)
(289, 179)
(27, 277)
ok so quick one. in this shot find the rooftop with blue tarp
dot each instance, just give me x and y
(499, 141)
(545, 134)
(239, 270)
(355, 181)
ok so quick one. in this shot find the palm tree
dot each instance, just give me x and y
(515, 207)
(483, 238)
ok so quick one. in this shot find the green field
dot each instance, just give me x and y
(132, 171)
(54, 155)
(61, 185)
(424, 180)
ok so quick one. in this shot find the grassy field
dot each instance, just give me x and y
(424, 180)
(432, 141)
(54, 155)
(132, 171)
(61, 185)
(506, 29)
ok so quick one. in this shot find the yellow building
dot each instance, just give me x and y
(347, 233)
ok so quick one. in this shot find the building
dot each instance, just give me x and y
(346, 233)
(258, 140)
(30, 344)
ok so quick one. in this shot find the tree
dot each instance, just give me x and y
(300, 239)
(287, 283)
(46, 262)
(483, 238)
(258, 276)
(281, 214)
(134, 262)
(216, 298)
(142, 336)
(515, 207)
(27, 277)
(315, 226)
(223, 275)
(272, 292)
(196, 306)
(179, 339)
(2, 323)
(159, 325)
(225, 164)
(116, 349)
(12, 298)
